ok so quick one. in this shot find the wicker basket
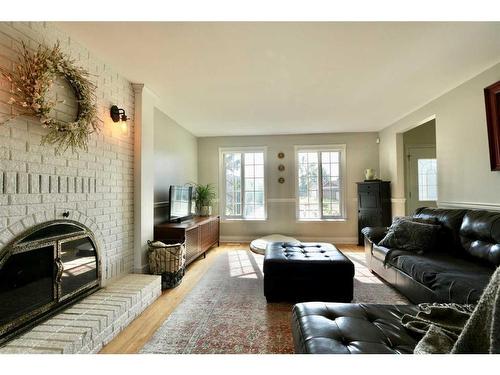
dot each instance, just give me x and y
(167, 260)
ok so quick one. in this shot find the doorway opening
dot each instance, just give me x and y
(421, 183)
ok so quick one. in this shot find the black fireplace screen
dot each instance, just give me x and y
(43, 270)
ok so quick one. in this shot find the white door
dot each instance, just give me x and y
(421, 178)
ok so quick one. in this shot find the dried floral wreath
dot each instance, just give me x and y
(31, 80)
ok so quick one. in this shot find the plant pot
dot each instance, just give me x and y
(205, 210)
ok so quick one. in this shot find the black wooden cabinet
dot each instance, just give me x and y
(374, 206)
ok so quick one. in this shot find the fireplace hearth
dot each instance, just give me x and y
(45, 269)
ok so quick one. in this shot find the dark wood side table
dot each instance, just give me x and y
(199, 233)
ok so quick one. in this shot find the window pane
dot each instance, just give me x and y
(427, 179)
(232, 170)
(330, 167)
(249, 158)
(259, 184)
(335, 170)
(309, 205)
(312, 157)
(259, 171)
(313, 196)
(317, 198)
(254, 202)
(249, 183)
(249, 171)
(249, 211)
(259, 198)
(249, 198)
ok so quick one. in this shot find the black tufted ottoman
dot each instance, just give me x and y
(351, 328)
(307, 272)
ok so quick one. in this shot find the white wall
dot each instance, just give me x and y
(165, 153)
(464, 175)
(175, 155)
(362, 153)
(145, 101)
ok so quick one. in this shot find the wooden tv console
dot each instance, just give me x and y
(200, 234)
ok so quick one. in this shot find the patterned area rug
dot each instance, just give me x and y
(226, 312)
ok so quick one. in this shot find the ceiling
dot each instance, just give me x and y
(253, 78)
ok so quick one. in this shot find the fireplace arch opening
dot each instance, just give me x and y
(43, 270)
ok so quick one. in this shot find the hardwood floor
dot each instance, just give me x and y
(133, 338)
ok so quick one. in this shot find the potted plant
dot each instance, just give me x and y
(203, 198)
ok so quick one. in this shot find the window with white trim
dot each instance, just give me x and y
(243, 184)
(427, 179)
(319, 185)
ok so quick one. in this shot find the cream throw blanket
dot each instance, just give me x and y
(453, 328)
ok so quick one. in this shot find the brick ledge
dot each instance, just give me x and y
(91, 323)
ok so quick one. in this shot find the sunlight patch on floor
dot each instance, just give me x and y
(240, 265)
(368, 280)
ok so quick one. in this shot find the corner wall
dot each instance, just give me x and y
(361, 153)
(175, 156)
(464, 175)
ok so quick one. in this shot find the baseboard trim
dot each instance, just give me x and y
(340, 240)
(470, 205)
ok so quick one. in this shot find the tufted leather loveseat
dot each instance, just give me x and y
(342, 328)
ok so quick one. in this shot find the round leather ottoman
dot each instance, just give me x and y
(259, 245)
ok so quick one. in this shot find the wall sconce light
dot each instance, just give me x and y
(118, 114)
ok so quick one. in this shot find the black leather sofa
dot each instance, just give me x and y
(456, 270)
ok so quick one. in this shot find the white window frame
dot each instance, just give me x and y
(222, 183)
(420, 198)
(342, 185)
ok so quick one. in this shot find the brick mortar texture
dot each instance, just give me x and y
(95, 186)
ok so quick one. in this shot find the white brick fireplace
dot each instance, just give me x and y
(94, 188)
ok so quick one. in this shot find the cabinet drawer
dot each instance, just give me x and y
(367, 187)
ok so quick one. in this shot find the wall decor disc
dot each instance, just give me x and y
(281, 167)
(281, 180)
(281, 155)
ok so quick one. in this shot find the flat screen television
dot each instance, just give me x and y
(180, 203)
